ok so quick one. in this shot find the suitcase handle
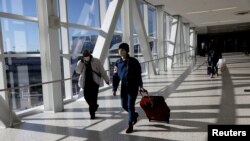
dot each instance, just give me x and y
(146, 92)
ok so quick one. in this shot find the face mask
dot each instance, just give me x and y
(123, 53)
(87, 58)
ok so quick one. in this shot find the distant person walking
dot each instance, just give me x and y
(128, 70)
(213, 58)
(91, 70)
(203, 49)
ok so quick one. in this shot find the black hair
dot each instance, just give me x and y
(124, 46)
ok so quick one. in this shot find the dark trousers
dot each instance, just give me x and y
(128, 98)
(90, 95)
(214, 66)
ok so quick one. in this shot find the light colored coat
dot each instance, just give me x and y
(96, 66)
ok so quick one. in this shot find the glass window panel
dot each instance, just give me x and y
(151, 21)
(19, 7)
(75, 76)
(84, 12)
(82, 39)
(23, 72)
(142, 14)
(20, 36)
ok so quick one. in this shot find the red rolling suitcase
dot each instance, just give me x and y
(155, 108)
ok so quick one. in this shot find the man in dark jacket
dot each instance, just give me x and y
(128, 70)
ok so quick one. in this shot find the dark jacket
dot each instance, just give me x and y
(129, 72)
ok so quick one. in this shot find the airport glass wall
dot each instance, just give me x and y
(21, 49)
(78, 31)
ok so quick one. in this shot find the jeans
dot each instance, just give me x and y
(128, 98)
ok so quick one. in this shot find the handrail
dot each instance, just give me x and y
(165, 57)
(37, 84)
(61, 80)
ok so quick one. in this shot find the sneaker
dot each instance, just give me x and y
(130, 129)
(135, 120)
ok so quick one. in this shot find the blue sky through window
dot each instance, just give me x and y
(19, 7)
(20, 36)
(84, 12)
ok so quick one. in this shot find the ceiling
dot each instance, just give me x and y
(210, 16)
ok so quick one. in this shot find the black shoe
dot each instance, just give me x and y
(130, 129)
(135, 120)
(92, 116)
(96, 107)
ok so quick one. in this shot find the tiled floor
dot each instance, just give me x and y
(194, 98)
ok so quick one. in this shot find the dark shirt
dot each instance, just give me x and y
(89, 81)
(129, 72)
(122, 66)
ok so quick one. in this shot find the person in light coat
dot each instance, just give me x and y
(91, 73)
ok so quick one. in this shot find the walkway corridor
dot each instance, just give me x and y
(195, 100)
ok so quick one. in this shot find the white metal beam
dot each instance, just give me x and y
(182, 42)
(127, 27)
(160, 36)
(178, 42)
(102, 16)
(50, 55)
(107, 30)
(142, 34)
(3, 79)
(187, 40)
(65, 50)
(172, 43)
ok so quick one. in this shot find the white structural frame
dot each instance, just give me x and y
(186, 41)
(142, 34)
(107, 30)
(128, 29)
(160, 37)
(193, 42)
(178, 42)
(50, 42)
(102, 16)
(65, 49)
(172, 43)
(50, 56)
(3, 79)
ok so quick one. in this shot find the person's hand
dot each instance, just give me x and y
(114, 93)
(142, 90)
(115, 69)
(82, 60)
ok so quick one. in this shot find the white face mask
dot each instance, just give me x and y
(87, 58)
